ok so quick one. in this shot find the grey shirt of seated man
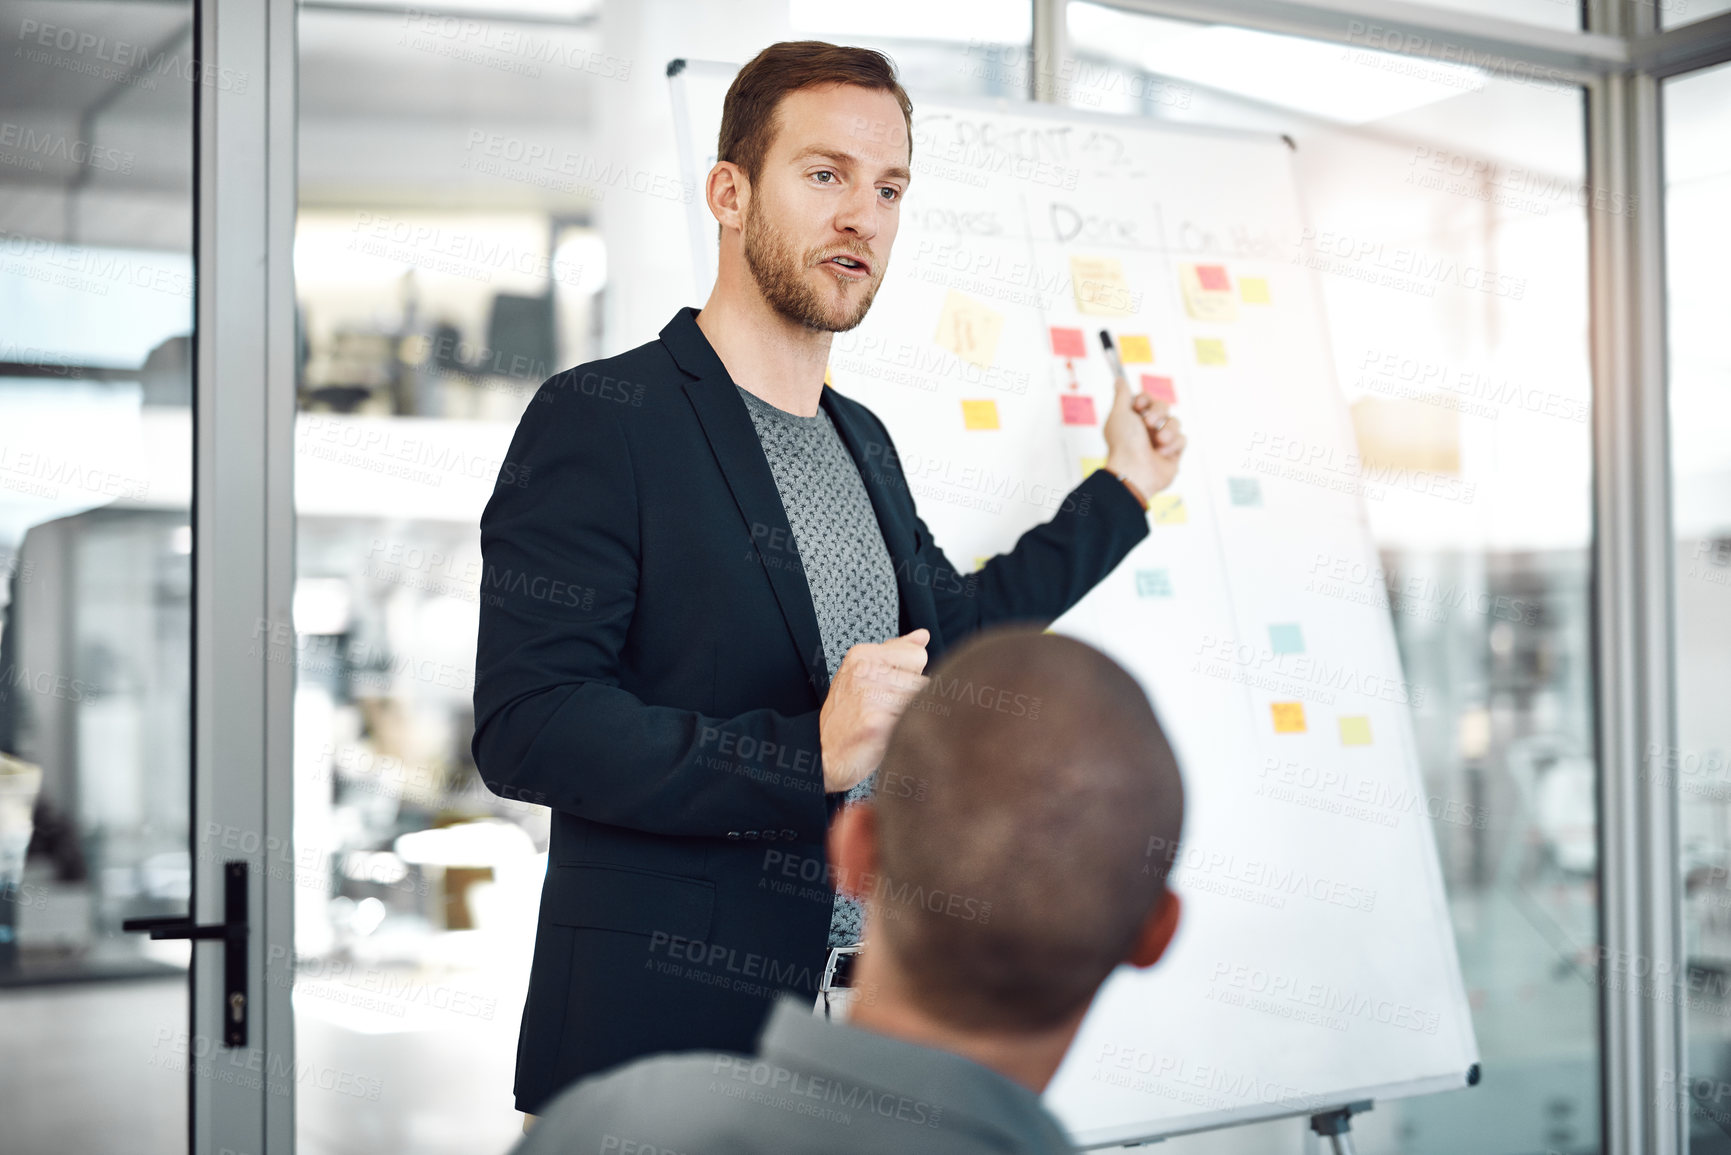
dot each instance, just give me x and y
(815, 1085)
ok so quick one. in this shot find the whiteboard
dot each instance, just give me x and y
(1315, 965)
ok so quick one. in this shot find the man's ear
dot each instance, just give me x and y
(1157, 932)
(853, 848)
(728, 194)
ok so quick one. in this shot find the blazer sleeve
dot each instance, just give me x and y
(1051, 566)
(560, 561)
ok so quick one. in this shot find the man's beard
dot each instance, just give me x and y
(780, 275)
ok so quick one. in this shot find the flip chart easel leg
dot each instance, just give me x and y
(1336, 1127)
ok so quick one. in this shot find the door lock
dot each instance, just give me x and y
(232, 931)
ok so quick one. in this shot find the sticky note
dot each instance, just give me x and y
(1090, 464)
(1168, 509)
(1288, 717)
(1210, 351)
(1160, 388)
(979, 415)
(1246, 491)
(826, 379)
(980, 561)
(1135, 349)
(969, 329)
(1286, 639)
(1099, 287)
(1153, 583)
(1068, 342)
(1207, 294)
(1253, 290)
(1355, 731)
(1078, 409)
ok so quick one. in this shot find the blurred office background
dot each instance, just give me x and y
(440, 277)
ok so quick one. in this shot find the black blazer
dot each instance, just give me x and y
(649, 666)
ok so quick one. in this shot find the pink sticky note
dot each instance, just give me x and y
(1212, 278)
(1068, 342)
(1078, 410)
(1159, 388)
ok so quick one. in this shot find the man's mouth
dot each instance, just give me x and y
(852, 266)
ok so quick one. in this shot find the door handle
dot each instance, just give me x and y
(232, 931)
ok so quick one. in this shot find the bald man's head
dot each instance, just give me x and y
(1017, 797)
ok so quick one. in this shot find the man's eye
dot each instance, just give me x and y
(895, 194)
(823, 172)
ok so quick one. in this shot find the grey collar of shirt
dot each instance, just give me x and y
(990, 1103)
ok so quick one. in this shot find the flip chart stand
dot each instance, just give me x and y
(1336, 1126)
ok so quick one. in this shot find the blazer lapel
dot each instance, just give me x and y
(733, 439)
(875, 469)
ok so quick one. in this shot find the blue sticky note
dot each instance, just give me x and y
(1286, 639)
(1244, 490)
(1153, 583)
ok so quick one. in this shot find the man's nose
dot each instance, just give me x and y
(858, 213)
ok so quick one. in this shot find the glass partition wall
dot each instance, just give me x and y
(96, 330)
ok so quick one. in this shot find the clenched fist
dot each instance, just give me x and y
(871, 688)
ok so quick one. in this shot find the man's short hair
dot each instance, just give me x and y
(748, 114)
(1020, 801)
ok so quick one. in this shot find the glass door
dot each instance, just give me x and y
(96, 552)
(136, 549)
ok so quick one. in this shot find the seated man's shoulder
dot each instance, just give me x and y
(677, 1104)
(708, 1103)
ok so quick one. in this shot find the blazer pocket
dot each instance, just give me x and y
(634, 901)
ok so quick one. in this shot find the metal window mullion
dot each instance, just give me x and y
(1050, 47)
(1643, 963)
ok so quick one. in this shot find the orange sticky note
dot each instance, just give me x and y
(1078, 409)
(1160, 388)
(979, 414)
(1355, 731)
(1134, 349)
(1288, 717)
(1210, 351)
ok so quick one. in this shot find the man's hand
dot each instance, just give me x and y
(1143, 439)
(871, 687)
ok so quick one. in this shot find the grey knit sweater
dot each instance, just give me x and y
(841, 550)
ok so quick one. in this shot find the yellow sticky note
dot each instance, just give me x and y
(1168, 509)
(1355, 731)
(1254, 290)
(969, 329)
(1090, 464)
(1210, 351)
(979, 414)
(1288, 717)
(1207, 293)
(1100, 288)
(1134, 349)
(826, 379)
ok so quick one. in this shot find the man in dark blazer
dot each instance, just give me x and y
(652, 661)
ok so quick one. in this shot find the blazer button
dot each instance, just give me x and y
(733, 836)
(789, 835)
(751, 835)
